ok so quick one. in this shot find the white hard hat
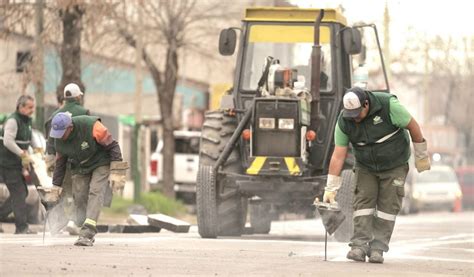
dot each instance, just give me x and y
(72, 90)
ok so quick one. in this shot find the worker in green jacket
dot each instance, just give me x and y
(15, 138)
(96, 162)
(65, 210)
(376, 125)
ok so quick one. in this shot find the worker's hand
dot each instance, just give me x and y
(26, 160)
(329, 196)
(332, 185)
(50, 161)
(117, 177)
(422, 160)
(50, 195)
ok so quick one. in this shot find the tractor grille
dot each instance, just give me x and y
(276, 142)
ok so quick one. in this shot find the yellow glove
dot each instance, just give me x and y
(50, 195)
(332, 185)
(329, 196)
(26, 159)
(118, 175)
(422, 160)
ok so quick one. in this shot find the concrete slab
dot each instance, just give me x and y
(168, 223)
(135, 229)
(102, 228)
(138, 219)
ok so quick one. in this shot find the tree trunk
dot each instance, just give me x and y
(166, 97)
(71, 48)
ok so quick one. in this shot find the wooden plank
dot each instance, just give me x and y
(168, 223)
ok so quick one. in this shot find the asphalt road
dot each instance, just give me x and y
(429, 244)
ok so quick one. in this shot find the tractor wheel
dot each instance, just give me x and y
(344, 198)
(220, 210)
(206, 201)
(260, 218)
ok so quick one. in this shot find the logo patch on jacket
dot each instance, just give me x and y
(84, 145)
(377, 120)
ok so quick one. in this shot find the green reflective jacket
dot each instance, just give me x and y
(378, 144)
(9, 159)
(83, 152)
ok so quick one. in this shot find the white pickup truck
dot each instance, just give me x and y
(186, 163)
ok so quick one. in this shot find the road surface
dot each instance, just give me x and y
(429, 244)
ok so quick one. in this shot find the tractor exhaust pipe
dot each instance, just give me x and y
(316, 74)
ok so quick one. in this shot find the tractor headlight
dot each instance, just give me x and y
(286, 123)
(266, 123)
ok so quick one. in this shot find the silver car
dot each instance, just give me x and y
(435, 189)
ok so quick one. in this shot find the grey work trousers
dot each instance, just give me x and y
(16, 186)
(88, 193)
(377, 200)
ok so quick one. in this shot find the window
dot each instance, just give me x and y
(23, 58)
(292, 46)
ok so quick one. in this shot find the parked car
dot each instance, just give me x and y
(466, 179)
(435, 189)
(36, 210)
(186, 162)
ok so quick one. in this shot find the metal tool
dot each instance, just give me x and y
(44, 225)
(49, 204)
(332, 218)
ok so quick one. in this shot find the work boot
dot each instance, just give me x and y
(356, 254)
(86, 236)
(83, 241)
(376, 256)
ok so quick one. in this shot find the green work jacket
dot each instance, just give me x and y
(9, 159)
(378, 144)
(83, 152)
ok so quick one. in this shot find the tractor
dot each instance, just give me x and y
(266, 150)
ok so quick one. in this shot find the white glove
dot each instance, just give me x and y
(422, 160)
(117, 177)
(332, 185)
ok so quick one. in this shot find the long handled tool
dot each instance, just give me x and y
(49, 203)
(332, 218)
(45, 220)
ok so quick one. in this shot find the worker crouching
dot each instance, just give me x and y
(96, 162)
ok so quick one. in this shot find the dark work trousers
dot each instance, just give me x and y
(377, 201)
(88, 191)
(16, 185)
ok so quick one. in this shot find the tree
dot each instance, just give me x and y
(442, 69)
(171, 27)
(70, 14)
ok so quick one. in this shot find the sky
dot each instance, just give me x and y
(409, 19)
(428, 18)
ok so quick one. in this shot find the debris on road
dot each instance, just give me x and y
(168, 223)
(133, 229)
(136, 224)
(139, 219)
